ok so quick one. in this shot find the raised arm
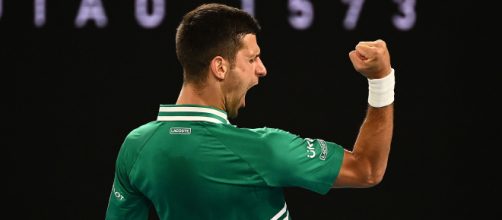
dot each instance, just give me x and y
(365, 165)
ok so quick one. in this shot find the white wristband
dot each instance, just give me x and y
(381, 91)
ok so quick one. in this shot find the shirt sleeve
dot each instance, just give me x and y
(126, 202)
(309, 163)
(126, 206)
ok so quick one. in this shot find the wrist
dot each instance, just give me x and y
(381, 91)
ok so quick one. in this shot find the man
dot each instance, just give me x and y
(191, 163)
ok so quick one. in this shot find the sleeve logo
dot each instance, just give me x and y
(324, 149)
(117, 194)
(310, 148)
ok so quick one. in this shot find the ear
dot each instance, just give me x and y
(219, 67)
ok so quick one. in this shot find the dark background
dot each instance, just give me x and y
(79, 91)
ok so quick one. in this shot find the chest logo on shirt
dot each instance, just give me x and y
(180, 130)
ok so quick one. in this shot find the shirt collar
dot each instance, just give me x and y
(191, 113)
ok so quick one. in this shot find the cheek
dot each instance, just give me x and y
(239, 73)
(242, 76)
(246, 72)
(233, 82)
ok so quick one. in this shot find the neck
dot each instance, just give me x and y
(207, 95)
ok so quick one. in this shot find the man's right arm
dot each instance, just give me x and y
(365, 165)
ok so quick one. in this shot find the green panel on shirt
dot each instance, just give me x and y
(192, 164)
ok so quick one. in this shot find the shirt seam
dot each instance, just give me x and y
(141, 152)
(247, 162)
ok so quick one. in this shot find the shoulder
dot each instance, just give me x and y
(136, 138)
(274, 135)
(252, 135)
(144, 129)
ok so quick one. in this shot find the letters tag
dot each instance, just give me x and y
(180, 130)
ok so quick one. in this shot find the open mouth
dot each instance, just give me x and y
(243, 99)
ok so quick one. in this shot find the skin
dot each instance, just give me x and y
(226, 87)
(365, 166)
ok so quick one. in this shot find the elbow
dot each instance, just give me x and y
(372, 179)
(369, 175)
(360, 172)
(371, 172)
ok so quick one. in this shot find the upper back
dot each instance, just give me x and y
(188, 170)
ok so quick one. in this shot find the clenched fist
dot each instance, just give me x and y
(371, 59)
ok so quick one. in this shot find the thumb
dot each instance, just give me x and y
(356, 58)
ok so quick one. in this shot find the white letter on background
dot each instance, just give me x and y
(353, 13)
(91, 10)
(150, 20)
(39, 13)
(248, 6)
(302, 14)
(406, 21)
(1, 4)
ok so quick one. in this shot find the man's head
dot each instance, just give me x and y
(216, 41)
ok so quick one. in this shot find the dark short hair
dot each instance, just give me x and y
(207, 31)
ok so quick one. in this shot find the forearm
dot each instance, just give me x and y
(373, 142)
